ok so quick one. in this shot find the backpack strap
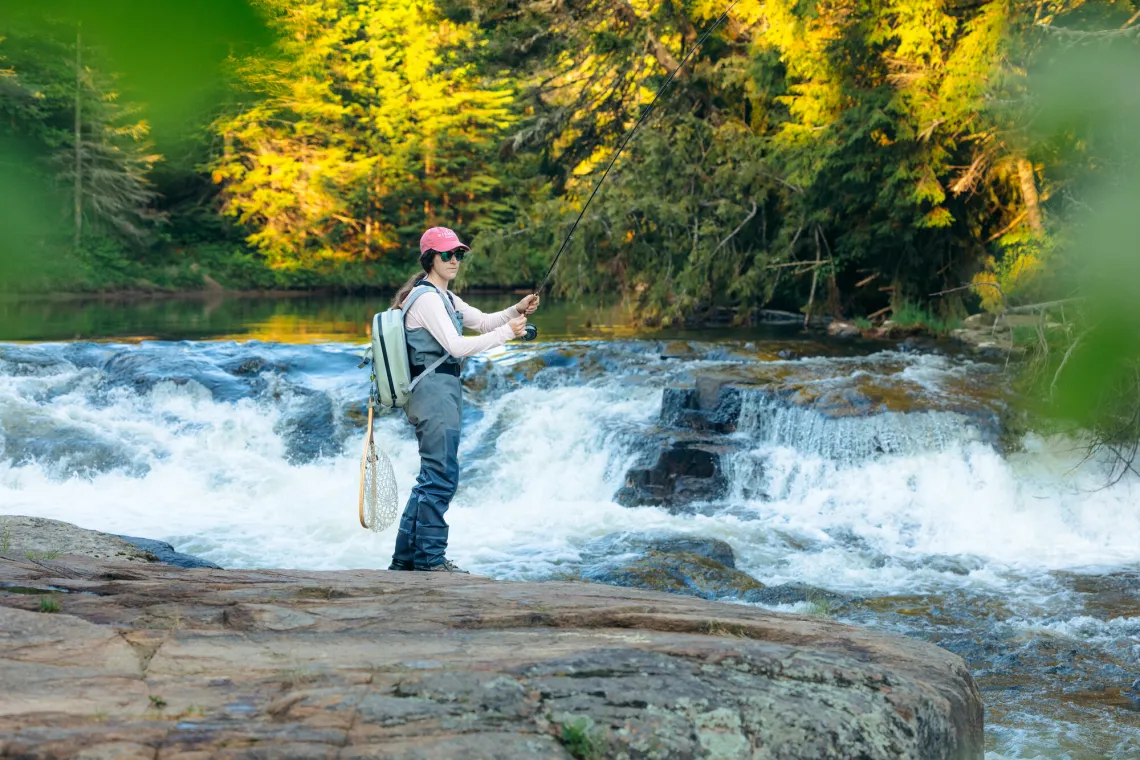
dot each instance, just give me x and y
(449, 304)
(427, 371)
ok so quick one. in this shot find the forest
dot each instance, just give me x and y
(848, 157)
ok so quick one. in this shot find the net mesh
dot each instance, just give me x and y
(379, 489)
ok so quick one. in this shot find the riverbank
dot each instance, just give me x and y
(128, 659)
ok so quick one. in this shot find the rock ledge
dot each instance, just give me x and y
(143, 660)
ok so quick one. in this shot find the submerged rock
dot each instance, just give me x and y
(309, 426)
(679, 564)
(383, 664)
(795, 593)
(143, 367)
(63, 448)
(614, 544)
(677, 573)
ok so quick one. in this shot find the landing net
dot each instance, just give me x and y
(378, 504)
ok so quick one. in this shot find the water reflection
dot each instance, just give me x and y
(297, 319)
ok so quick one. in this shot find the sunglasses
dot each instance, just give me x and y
(458, 254)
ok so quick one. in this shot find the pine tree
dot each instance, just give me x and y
(62, 99)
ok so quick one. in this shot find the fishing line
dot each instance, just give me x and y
(621, 147)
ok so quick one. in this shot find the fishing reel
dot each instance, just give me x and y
(531, 332)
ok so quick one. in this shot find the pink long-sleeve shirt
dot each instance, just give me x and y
(430, 313)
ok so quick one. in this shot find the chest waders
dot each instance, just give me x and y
(435, 408)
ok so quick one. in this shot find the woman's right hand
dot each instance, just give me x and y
(518, 326)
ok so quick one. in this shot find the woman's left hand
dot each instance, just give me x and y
(527, 306)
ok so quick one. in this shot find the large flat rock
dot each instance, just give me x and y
(152, 661)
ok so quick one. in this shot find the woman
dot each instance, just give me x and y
(434, 319)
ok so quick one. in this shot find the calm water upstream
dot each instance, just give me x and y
(231, 428)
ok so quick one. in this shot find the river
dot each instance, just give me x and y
(232, 427)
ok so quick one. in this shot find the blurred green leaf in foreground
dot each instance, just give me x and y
(167, 57)
(1088, 99)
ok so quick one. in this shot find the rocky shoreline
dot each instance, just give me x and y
(130, 658)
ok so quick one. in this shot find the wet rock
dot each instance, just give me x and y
(682, 408)
(685, 472)
(843, 330)
(309, 427)
(45, 539)
(65, 450)
(678, 349)
(984, 319)
(677, 573)
(794, 593)
(143, 367)
(166, 554)
(638, 543)
(922, 344)
(709, 548)
(25, 361)
(250, 366)
(958, 564)
(377, 664)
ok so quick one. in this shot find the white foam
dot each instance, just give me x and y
(550, 460)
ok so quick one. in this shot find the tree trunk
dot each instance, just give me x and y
(1029, 196)
(78, 138)
(814, 278)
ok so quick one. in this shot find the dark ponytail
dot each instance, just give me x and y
(427, 258)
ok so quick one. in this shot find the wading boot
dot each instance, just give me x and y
(447, 566)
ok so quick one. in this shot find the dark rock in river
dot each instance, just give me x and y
(166, 554)
(685, 472)
(715, 410)
(309, 427)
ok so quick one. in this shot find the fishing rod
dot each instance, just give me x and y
(531, 330)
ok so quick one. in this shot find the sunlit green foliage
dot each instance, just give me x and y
(840, 157)
(369, 130)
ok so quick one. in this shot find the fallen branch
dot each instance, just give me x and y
(814, 277)
(1064, 361)
(1016, 221)
(807, 265)
(1040, 306)
(747, 219)
(971, 285)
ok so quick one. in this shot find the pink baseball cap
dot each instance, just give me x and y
(440, 239)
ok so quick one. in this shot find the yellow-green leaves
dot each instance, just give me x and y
(371, 126)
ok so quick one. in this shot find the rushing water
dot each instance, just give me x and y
(872, 473)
